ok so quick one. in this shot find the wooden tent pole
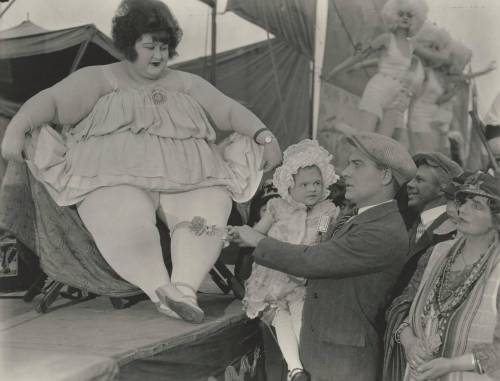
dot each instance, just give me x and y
(213, 64)
(81, 50)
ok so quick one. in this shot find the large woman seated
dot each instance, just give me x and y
(452, 330)
(140, 143)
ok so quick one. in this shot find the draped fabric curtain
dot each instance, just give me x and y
(292, 21)
(271, 79)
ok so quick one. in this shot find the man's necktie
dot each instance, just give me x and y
(341, 221)
(420, 231)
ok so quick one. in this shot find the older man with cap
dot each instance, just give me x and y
(349, 275)
(435, 172)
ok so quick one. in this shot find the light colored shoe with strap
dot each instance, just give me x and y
(186, 306)
(165, 310)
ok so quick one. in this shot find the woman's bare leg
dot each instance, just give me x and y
(368, 121)
(122, 221)
(424, 142)
(193, 256)
(393, 119)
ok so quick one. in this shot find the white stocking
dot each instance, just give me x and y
(193, 256)
(122, 221)
(287, 339)
(296, 314)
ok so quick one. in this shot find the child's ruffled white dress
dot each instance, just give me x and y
(267, 289)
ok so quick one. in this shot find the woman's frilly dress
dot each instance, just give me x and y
(149, 137)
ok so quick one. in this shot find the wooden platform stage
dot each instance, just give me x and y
(93, 341)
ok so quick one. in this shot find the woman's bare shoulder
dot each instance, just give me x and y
(87, 77)
(177, 80)
(183, 79)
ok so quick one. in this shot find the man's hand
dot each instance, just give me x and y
(244, 235)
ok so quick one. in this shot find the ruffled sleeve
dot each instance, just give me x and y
(273, 205)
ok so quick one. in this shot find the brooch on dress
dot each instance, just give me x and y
(323, 223)
(159, 96)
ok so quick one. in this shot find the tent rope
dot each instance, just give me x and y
(344, 26)
(7, 8)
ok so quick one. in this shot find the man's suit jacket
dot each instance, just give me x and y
(418, 248)
(349, 278)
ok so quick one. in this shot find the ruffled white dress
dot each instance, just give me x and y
(266, 289)
(150, 137)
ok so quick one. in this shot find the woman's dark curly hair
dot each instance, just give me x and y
(134, 18)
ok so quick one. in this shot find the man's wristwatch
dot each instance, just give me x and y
(268, 139)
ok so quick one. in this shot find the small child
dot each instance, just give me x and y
(300, 216)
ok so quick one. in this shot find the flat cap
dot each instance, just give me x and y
(439, 160)
(386, 152)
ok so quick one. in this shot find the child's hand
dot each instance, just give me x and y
(232, 234)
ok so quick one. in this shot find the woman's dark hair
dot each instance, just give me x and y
(134, 18)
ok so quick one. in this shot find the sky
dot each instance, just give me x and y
(474, 22)
(193, 17)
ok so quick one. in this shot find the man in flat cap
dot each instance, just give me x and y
(350, 275)
(435, 171)
(425, 195)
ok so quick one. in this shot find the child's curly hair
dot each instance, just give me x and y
(134, 18)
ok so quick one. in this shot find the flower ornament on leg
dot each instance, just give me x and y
(171, 295)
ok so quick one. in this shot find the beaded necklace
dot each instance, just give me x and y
(438, 307)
